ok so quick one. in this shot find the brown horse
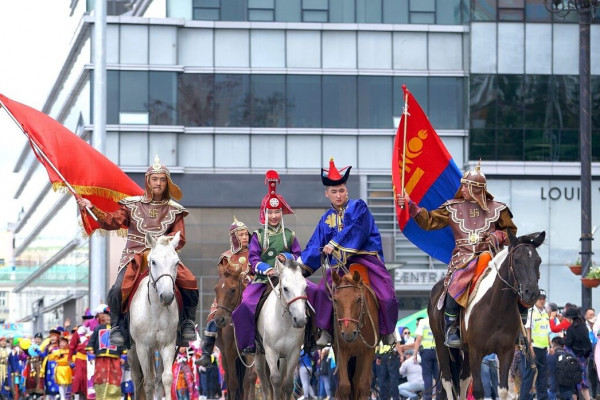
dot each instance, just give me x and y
(228, 291)
(356, 326)
(491, 322)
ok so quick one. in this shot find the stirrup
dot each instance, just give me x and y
(388, 339)
(452, 339)
(188, 330)
(116, 337)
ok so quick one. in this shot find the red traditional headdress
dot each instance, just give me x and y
(273, 200)
(333, 176)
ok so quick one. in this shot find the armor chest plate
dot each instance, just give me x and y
(470, 222)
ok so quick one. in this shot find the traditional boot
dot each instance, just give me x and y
(210, 337)
(452, 338)
(187, 327)
(325, 339)
(389, 339)
(116, 336)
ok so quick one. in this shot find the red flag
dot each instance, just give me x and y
(87, 171)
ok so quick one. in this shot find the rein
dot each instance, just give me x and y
(359, 321)
(153, 281)
(517, 290)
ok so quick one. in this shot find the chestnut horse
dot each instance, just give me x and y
(491, 322)
(228, 292)
(356, 328)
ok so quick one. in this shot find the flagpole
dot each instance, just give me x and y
(405, 113)
(40, 152)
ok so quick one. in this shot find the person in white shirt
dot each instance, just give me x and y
(411, 369)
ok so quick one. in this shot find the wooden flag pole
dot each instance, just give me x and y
(405, 113)
(39, 151)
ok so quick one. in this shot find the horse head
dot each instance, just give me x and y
(349, 304)
(162, 266)
(292, 290)
(228, 292)
(525, 261)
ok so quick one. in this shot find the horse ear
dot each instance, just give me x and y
(175, 240)
(150, 240)
(512, 238)
(356, 277)
(279, 266)
(537, 239)
(335, 277)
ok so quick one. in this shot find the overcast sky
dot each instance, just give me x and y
(36, 36)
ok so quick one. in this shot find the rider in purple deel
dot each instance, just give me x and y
(348, 233)
(271, 242)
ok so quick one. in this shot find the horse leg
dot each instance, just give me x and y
(443, 355)
(249, 379)
(465, 374)
(505, 358)
(343, 390)
(261, 369)
(167, 354)
(136, 372)
(361, 381)
(146, 359)
(275, 377)
(475, 363)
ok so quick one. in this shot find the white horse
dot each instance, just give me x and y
(281, 323)
(154, 318)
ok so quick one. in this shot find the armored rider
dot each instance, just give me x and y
(156, 213)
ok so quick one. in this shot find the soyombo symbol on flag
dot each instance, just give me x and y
(430, 177)
(71, 162)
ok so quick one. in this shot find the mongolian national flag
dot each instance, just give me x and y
(430, 178)
(69, 160)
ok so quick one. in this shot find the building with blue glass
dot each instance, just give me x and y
(223, 90)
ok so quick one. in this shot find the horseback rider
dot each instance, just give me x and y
(274, 241)
(347, 231)
(237, 257)
(154, 212)
(480, 227)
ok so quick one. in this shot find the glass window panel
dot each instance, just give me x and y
(483, 101)
(134, 44)
(537, 101)
(304, 159)
(483, 10)
(339, 102)
(195, 47)
(232, 48)
(596, 145)
(162, 100)
(535, 11)
(417, 85)
(538, 144)
(510, 90)
(165, 145)
(410, 50)
(570, 18)
(375, 50)
(566, 101)
(303, 101)
(314, 4)
(369, 11)
(314, 16)
(112, 146)
(446, 102)
(538, 49)
(568, 145)
(482, 144)
(448, 12)
(274, 146)
(133, 149)
(112, 44)
(422, 18)
(595, 48)
(375, 102)
(595, 84)
(395, 11)
(511, 3)
(207, 3)
(565, 55)
(233, 10)
(163, 45)
(445, 51)
(112, 96)
(422, 5)
(267, 100)
(232, 103)
(510, 15)
(288, 10)
(133, 95)
(509, 145)
(196, 103)
(483, 48)
(339, 49)
(373, 152)
(228, 145)
(342, 11)
(206, 14)
(511, 48)
(341, 148)
(260, 15)
(261, 4)
(196, 151)
(303, 49)
(267, 48)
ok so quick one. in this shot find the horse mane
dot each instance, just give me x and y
(164, 240)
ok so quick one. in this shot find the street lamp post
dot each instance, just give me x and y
(585, 9)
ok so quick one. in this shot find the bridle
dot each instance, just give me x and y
(152, 281)
(359, 320)
(238, 299)
(285, 303)
(517, 287)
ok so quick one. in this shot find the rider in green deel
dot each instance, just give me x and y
(480, 227)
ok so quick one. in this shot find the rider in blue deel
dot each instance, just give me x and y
(480, 227)
(348, 233)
